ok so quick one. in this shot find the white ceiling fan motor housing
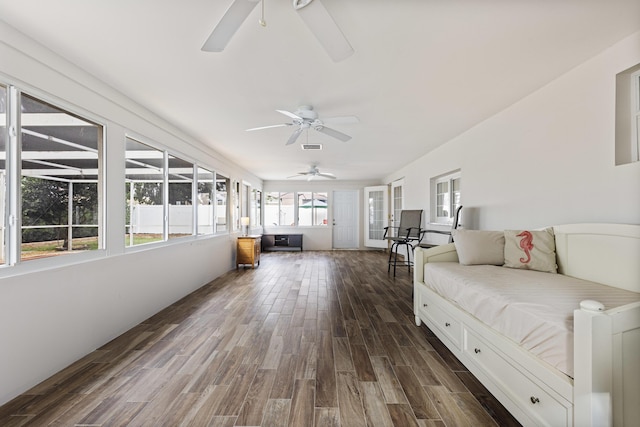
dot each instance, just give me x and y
(299, 4)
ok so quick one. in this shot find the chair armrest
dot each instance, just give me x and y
(386, 230)
(429, 230)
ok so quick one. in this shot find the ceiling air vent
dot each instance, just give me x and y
(312, 146)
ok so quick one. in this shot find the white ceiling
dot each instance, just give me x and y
(423, 71)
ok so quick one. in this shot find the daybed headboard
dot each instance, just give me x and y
(603, 253)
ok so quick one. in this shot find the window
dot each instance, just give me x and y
(205, 197)
(60, 174)
(256, 209)
(445, 197)
(312, 209)
(235, 197)
(144, 182)
(3, 172)
(279, 208)
(628, 116)
(222, 203)
(180, 197)
(635, 116)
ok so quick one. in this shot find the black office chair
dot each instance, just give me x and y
(456, 223)
(407, 234)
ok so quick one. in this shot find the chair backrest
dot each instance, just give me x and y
(411, 221)
(456, 222)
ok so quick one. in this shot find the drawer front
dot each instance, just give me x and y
(529, 396)
(245, 246)
(445, 322)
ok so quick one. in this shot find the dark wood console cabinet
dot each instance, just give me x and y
(282, 242)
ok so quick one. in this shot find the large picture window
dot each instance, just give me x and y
(59, 181)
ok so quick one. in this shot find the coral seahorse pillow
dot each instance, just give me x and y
(530, 250)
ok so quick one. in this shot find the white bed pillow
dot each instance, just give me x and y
(530, 250)
(476, 247)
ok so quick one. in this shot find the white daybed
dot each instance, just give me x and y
(599, 385)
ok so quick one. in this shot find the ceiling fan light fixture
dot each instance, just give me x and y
(299, 4)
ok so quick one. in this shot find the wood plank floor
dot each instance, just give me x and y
(306, 339)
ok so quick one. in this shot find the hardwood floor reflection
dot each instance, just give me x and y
(311, 338)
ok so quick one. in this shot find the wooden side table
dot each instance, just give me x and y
(248, 250)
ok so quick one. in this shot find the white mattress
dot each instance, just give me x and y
(532, 308)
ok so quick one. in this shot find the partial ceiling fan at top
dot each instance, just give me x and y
(312, 12)
(306, 118)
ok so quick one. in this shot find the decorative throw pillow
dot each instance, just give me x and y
(479, 246)
(530, 250)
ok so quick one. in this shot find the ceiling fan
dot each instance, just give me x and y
(305, 118)
(312, 12)
(312, 173)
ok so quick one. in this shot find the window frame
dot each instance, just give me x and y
(13, 191)
(453, 196)
(194, 169)
(192, 181)
(218, 176)
(627, 116)
(209, 223)
(164, 191)
(314, 209)
(635, 117)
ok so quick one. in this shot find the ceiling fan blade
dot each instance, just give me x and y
(327, 175)
(269, 127)
(294, 136)
(289, 114)
(322, 25)
(228, 25)
(341, 120)
(333, 133)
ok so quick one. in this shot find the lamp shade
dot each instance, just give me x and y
(244, 220)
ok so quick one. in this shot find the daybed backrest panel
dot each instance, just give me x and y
(603, 253)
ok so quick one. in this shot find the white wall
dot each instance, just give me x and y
(55, 310)
(548, 159)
